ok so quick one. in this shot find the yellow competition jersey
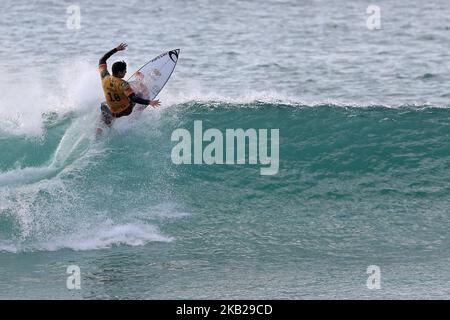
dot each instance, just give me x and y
(116, 90)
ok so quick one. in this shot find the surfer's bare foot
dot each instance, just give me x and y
(98, 132)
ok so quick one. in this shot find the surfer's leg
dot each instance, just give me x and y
(107, 117)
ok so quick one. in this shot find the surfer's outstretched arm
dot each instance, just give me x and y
(120, 47)
(154, 103)
(133, 97)
(106, 56)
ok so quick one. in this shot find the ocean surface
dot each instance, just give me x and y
(364, 152)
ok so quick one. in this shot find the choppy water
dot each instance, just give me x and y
(364, 155)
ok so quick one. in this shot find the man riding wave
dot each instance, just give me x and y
(120, 97)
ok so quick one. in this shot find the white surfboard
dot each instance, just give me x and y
(149, 80)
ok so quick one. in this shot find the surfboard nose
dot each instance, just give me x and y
(174, 55)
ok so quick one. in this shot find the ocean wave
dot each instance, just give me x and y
(58, 180)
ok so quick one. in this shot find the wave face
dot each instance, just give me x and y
(345, 172)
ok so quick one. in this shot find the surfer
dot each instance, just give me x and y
(120, 97)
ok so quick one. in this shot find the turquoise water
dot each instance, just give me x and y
(363, 121)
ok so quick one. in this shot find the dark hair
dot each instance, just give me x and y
(118, 66)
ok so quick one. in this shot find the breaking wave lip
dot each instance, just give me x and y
(218, 102)
(104, 237)
(276, 98)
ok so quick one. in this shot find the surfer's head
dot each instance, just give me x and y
(119, 69)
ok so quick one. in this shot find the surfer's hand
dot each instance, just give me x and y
(121, 46)
(154, 103)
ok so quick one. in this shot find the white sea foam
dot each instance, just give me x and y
(106, 236)
(27, 99)
(101, 237)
